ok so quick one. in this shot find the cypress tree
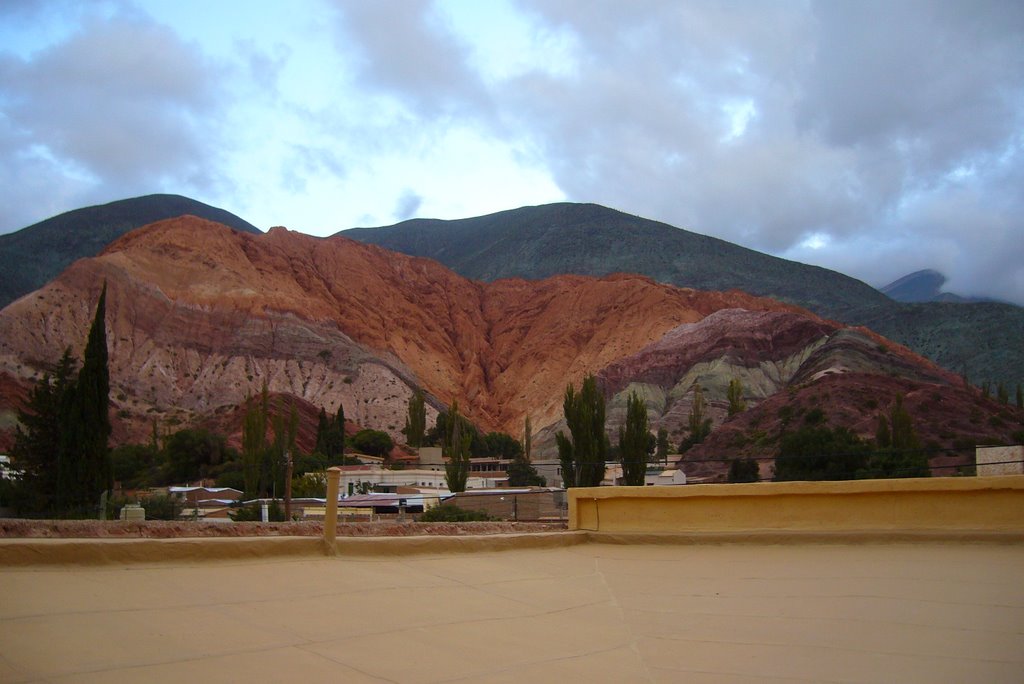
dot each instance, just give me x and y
(339, 432)
(254, 441)
(87, 428)
(661, 453)
(528, 437)
(416, 420)
(456, 469)
(633, 442)
(322, 426)
(1020, 397)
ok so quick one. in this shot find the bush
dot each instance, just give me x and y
(449, 512)
(373, 442)
(743, 470)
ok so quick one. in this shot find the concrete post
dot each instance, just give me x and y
(331, 510)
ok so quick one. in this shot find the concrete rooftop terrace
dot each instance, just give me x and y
(582, 609)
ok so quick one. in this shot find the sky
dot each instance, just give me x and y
(873, 138)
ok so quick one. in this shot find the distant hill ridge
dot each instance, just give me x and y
(33, 256)
(925, 286)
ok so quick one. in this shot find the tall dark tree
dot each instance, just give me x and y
(582, 453)
(661, 446)
(1020, 397)
(528, 434)
(456, 447)
(698, 421)
(88, 422)
(416, 420)
(254, 441)
(633, 438)
(330, 436)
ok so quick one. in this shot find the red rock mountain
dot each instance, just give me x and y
(199, 316)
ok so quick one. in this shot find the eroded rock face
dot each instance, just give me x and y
(200, 316)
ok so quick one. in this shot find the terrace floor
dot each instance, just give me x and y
(904, 612)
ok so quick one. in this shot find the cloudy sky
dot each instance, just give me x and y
(875, 138)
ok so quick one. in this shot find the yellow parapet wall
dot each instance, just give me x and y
(970, 503)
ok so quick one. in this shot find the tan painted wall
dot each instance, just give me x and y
(976, 503)
(1005, 460)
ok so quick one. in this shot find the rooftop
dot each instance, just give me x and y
(578, 611)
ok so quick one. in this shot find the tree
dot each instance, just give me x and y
(373, 442)
(135, 465)
(735, 397)
(87, 425)
(193, 454)
(661, 446)
(633, 437)
(817, 452)
(528, 434)
(698, 422)
(501, 445)
(1002, 394)
(901, 454)
(883, 437)
(64, 449)
(254, 441)
(744, 470)
(1020, 397)
(582, 453)
(456, 469)
(330, 436)
(39, 445)
(416, 421)
(521, 473)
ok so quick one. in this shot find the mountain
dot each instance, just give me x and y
(588, 239)
(792, 367)
(32, 256)
(201, 316)
(924, 286)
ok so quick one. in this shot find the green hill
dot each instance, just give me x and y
(33, 256)
(980, 339)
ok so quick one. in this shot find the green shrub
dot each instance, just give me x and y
(449, 512)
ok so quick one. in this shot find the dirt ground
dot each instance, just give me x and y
(160, 529)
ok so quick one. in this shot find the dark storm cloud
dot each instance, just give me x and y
(122, 103)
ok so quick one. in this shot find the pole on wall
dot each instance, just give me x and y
(331, 510)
